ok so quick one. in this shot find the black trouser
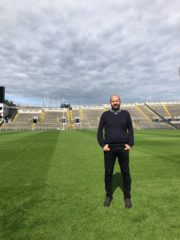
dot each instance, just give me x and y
(109, 161)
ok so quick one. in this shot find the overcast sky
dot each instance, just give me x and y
(83, 51)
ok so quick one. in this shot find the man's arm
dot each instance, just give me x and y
(130, 131)
(100, 137)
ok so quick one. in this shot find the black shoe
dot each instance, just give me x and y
(107, 201)
(128, 203)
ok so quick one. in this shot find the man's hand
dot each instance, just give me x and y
(127, 147)
(106, 148)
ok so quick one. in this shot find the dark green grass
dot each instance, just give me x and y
(51, 187)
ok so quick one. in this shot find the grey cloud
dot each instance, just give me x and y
(87, 51)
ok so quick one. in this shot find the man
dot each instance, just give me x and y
(116, 142)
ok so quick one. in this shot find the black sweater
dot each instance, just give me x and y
(118, 128)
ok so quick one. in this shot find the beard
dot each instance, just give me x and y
(116, 107)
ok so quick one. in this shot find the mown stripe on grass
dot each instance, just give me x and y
(22, 180)
(7, 138)
(70, 187)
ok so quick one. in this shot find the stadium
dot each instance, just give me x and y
(52, 183)
(61, 62)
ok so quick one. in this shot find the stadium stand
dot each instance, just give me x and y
(52, 119)
(22, 120)
(89, 117)
(76, 119)
(159, 109)
(144, 116)
(174, 110)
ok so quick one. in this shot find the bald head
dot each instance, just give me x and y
(115, 102)
(115, 97)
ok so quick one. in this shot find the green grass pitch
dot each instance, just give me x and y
(52, 188)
